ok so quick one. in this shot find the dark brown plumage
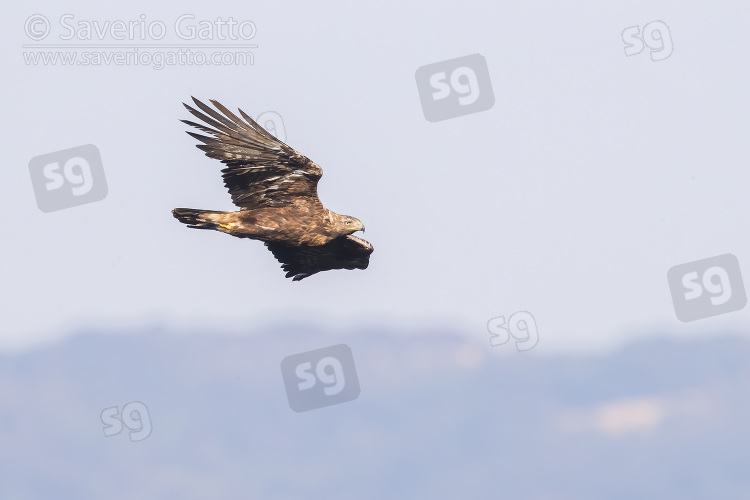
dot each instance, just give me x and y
(275, 188)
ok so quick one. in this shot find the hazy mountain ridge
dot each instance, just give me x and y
(440, 415)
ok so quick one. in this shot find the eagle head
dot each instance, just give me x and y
(348, 224)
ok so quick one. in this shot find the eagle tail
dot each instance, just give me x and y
(198, 219)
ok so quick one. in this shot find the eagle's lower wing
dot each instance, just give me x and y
(261, 171)
(299, 262)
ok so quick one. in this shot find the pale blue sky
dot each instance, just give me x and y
(591, 176)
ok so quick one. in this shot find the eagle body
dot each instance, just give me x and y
(294, 225)
(275, 188)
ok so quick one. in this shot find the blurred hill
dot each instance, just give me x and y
(440, 415)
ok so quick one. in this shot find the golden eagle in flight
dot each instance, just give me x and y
(275, 188)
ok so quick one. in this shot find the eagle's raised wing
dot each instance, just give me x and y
(299, 262)
(261, 170)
